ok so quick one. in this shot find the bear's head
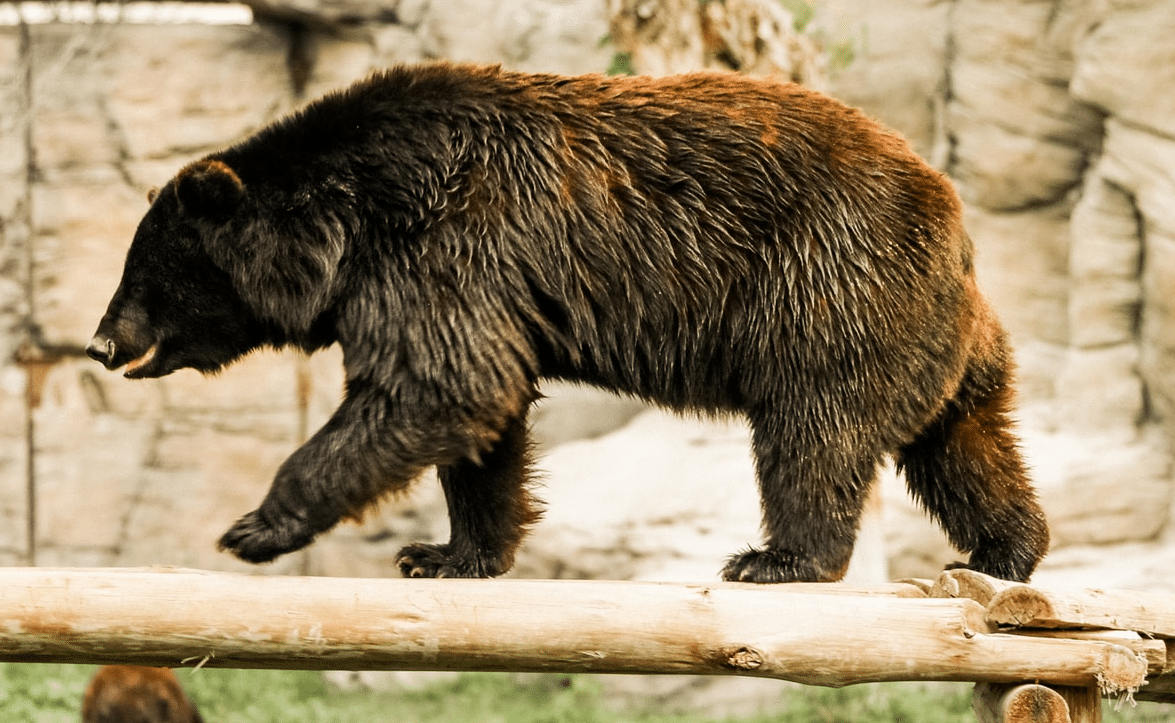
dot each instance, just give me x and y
(213, 272)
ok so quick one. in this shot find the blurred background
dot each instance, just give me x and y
(1055, 118)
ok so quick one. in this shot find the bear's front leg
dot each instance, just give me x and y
(813, 489)
(362, 453)
(490, 509)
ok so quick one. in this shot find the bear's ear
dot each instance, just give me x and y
(209, 189)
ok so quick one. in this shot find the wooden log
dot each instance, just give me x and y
(1024, 703)
(968, 584)
(231, 620)
(924, 585)
(1085, 704)
(1024, 606)
(1156, 652)
(1161, 688)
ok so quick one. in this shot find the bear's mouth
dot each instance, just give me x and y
(136, 367)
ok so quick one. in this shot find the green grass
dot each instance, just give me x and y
(52, 694)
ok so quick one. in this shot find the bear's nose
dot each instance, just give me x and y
(101, 349)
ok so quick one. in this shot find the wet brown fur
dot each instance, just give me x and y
(706, 242)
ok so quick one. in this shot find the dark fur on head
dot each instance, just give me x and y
(706, 242)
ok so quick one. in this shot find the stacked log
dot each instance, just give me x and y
(1037, 655)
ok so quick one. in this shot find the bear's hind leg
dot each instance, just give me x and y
(812, 498)
(490, 510)
(966, 470)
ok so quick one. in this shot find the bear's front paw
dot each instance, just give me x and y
(771, 566)
(254, 538)
(421, 560)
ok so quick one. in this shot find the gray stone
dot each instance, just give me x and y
(1115, 490)
(1100, 389)
(759, 37)
(14, 298)
(1157, 331)
(169, 463)
(395, 44)
(69, 131)
(1126, 64)
(333, 13)
(90, 448)
(663, 498)
(548, 35)
(1004, 170)
(82, 232)
(553, 36)
(224, 471)
(569, 412)
(14, 98)
(1136, 165)
(1141, 162)
(1021, 261)
(1020, 139)
(338, 59)
(234, 80)
(153, 472)
(13, 464)
(661, 37)
(898, 71)
(1105, 265)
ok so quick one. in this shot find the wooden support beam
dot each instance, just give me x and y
(1128, 618)
(1025, 703)
(1154, 651)
(1085, 704)
(1160, 687)
(802, 633)
(1033, 703)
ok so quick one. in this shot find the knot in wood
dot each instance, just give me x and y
(744, 658)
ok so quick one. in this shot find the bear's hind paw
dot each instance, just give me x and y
(1008, 568)
(423, 560)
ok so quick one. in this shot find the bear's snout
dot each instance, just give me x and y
(101, 349)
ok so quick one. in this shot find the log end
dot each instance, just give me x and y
(964, 583)
(1034, 704)
(1020, 606)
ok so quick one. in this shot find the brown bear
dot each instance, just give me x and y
(707, 242)
(136, 694)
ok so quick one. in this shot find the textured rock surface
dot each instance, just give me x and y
(899, 67)
(14, 230)
(1020, 139)
(660, 37)
(1055, 122)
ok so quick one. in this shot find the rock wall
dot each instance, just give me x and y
(151, 473)
(1054, 119)
(1053, 116)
